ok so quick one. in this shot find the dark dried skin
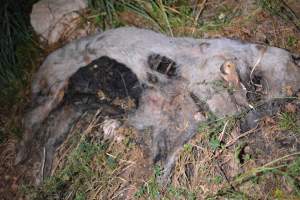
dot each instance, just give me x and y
(296, 59)
(163, 65)
(113, 79)
(103, 75)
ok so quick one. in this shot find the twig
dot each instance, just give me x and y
(223, 131)
(234, 141)
(202, 6)
(43, 163)
(119, 193)
(224, 175)
(281, 158)
(69, 195)
(262, 52)
(124, 83)
(90, 126)
(240, 136)
(115, 157)
(162, 8)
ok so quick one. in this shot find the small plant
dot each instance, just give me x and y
(70, 179)
(218, 179)
(150, 189)
(291, 41)
(188, 148)
(214, 143)
(157, 171)
(214, 126)
(272, 6)
(18, 46)
(152, 186)
(240, 155)
(288, 122)
(279, 167)
(279, 8)
(229, 194)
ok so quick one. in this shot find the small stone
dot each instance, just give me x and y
(199, 117)
(14, 187)
(291, 108)
(55, 19)
(269, 120)
(288, 90)
(109, 128)
(247, 150)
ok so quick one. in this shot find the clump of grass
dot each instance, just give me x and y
(280, 167)
(289, 122)
(18, 59)
(280, 8)
(156, 12)
(214, 126)
(90, 167)
(292, 41)
(229, 194)
(75, 178)
(104, 12)
(17, 46)
(151, 188)
(174, 18)
(273, 6)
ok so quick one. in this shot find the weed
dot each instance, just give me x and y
(272, 6)
(152, 187)
(17, 46)
(80, 196)
(214, 143)
(179, 193)
(280, 8)
(214, 126)
(288, 170)
(229, 194)
(153, 190)
(68, 181)
(278, 194)
(288, 122)
(239, 155)
(104, 13)
(292, 41)
(188, 148)
(246, 157)
(155, 11)
(169, 17)
(18, 59)
(157, 171)
(142, 191)
(218, 179)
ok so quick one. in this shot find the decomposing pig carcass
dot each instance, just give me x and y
(169, 84)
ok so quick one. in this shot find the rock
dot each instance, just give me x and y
(110, 127)
(56, 20)
(174, 82)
